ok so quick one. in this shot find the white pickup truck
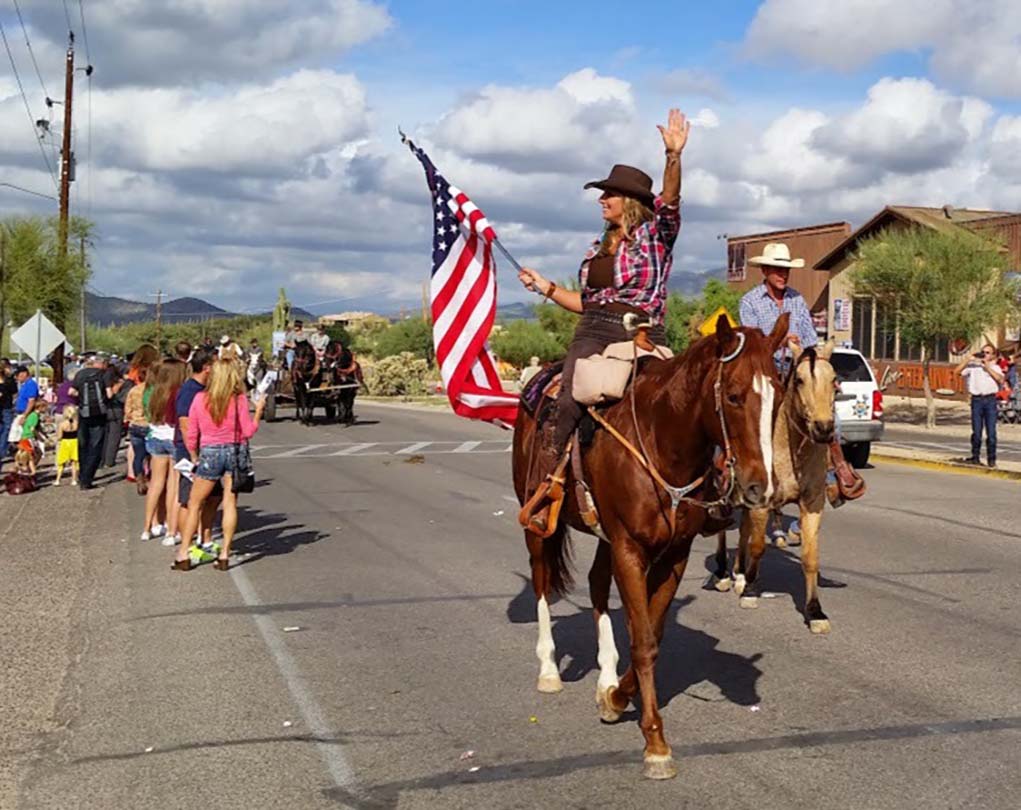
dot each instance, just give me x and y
(859, 405)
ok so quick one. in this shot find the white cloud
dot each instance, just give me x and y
(1005, 149)
(905, 125)
(687, 82)
(976, 46)
(252, 130)
(143, 42)
(576, 124)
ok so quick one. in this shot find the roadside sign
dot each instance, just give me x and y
(37, 337)
(708, 326)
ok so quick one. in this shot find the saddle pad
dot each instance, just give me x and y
(604, 377)
(533, 391)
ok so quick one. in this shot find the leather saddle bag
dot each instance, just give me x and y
(604, 377)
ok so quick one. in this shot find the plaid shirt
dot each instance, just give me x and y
(641, 266)
(758, 309)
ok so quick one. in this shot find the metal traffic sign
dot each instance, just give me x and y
(708, 326)
(37, 337)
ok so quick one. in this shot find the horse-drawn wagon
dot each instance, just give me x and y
(330, 383)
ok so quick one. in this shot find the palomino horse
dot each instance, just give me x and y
(719, 393)
(801, 436)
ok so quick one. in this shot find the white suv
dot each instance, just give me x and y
(859, 405)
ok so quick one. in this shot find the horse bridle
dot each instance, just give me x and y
(679, 495)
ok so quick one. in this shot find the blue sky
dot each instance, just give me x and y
(244, 146)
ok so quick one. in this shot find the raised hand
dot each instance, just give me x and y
(675, 133)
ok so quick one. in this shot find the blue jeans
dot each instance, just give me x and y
(136, 435)
(217, 460)
(290, 357)
(983, 414)
(6, 420)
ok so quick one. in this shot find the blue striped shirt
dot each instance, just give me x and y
(758, 309)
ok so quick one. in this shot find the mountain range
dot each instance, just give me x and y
(111, 311)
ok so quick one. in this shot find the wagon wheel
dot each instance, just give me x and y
(270, 412)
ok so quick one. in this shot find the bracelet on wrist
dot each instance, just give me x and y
(550, 290)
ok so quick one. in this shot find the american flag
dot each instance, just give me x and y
(463, 301)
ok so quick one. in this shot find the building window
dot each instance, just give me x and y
(886, 333)
(736, 269)
(861, 325)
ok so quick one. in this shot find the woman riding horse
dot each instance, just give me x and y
(626, 270)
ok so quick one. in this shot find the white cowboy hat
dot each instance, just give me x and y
(776, 254)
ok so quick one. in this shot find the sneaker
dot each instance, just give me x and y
(170, 540)
(992, 465)
(199, 555)
(159, 529)
(212, 547)
(56, 483)
(145, 536)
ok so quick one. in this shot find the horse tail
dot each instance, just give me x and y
(558, 558)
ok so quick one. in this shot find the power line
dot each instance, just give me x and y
(85, 33)
(29, 191)
(24, 98)
(31, 53)
(67, 15)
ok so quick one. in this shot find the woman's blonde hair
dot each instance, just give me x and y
(224, 384)
(165, 378)
(635, 214)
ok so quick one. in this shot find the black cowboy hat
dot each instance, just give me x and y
(628, 182)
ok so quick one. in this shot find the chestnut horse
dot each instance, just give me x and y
(721, 392)
(801, 436)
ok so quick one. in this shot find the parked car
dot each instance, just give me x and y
(859, 405)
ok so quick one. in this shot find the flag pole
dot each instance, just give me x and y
(499, 245)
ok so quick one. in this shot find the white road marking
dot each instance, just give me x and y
(412, 448)
(354, 448)
(295, 451)
(331, 752)
(363, 449)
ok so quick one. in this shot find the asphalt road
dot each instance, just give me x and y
(392, 547)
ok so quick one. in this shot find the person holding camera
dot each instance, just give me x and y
(983, 378)
(93, 409)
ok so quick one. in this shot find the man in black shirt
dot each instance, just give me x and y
(93, 406)
(8, 394)
(117, 388)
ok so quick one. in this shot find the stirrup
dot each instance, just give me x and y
(541, 512)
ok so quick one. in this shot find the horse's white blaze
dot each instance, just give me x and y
(762, 387)
(607, 656)
(544, 648)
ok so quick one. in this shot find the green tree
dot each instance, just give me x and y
(940, 285)
(557, 322)
(410, 335)
(716, 294)
(33, 276)
(518, 341)
(680, 312)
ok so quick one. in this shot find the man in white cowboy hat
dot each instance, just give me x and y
(760, 307)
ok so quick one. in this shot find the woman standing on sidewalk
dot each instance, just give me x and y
(138, 428)
(158, 400)
(219, 428)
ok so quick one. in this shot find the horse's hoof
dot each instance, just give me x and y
(607, 713)
(550, 684)
(659, 766)
(739, 584)
(749, 601)
(722, 584)
(819, 626)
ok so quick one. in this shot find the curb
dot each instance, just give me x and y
(939, 465)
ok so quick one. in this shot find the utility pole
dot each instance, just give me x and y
(159, 319)
(66, 164)
(3, 287)
(425, 302)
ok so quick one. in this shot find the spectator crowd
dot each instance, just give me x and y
(186, 417)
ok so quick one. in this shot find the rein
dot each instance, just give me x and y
(679, 495)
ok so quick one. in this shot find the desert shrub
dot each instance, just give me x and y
(397, 375)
